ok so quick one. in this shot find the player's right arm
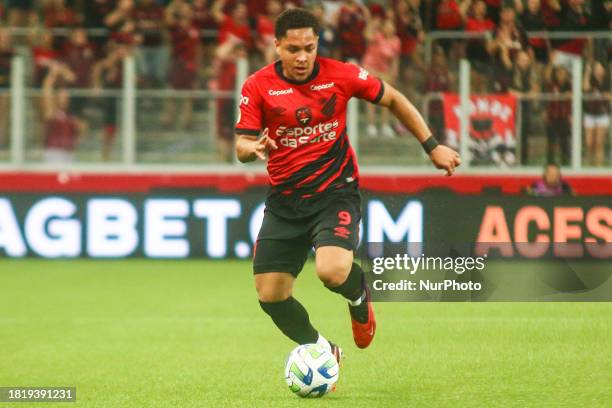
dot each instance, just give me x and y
(251, 142)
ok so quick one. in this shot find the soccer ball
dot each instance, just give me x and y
(311, 371)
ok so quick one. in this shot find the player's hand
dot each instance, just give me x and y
(444, 157)
(263, 145)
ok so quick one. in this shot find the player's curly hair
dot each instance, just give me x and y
(295, 18)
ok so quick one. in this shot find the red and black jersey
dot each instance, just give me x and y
(308, 122)
(61, 131)
(185, 41)
(560, 108)
(351, 25)
(151, 37)
(230, 27)
(80, 59)
(42, 57)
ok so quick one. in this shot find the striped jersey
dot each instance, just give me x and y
(307, 119)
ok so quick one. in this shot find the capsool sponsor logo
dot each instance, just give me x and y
(322, 86)
(279, 92)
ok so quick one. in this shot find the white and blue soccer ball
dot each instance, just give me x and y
(311, 371)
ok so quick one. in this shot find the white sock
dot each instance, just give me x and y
(323, 342)
(358, 301)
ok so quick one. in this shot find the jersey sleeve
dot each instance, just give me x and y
(249, 117)
(361, 84)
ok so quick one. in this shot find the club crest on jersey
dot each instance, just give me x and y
(303, 115)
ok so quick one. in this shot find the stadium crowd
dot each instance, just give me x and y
(187, 45)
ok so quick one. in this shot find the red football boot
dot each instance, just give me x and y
(363, 333)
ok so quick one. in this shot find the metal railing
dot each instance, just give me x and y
(25, 116)
(434, 36)
(131, 136)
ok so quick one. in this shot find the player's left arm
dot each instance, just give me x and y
(441, 156)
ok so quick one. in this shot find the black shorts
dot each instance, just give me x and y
(283, 244)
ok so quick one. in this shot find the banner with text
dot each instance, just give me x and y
(433, 246)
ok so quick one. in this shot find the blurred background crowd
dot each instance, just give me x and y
(189, 45)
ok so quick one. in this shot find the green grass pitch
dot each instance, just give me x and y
(144, 333)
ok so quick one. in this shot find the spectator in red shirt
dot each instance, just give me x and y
(350, 21)
(93, 18)
(409, 29)
(118, 23)
(256, 7)
(265, 30)
(508, 40)
(476, 51)
(438, 79)
(410, 32)
(185, 39)
(6, 56)
(126, 34)
(532, 20)
(449, 16)
(149, 20)
(79, 56)
(62, 129)
(550, 13)
(381, 60)
(58, 15)
(558, 114)
(107, 73)
(226, 56)
(43, 54)
(573, 17)
(235, 23)
(43, 57)
(204, 20)
(120, 14)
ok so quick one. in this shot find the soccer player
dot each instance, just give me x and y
(294, 112)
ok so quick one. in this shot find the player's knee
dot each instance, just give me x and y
(267, 292)
(272, 294)
(333, 272)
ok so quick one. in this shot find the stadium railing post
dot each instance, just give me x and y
(576, 146)
(464, 124)
(242, 72)
(17, 110)
(128, 129)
